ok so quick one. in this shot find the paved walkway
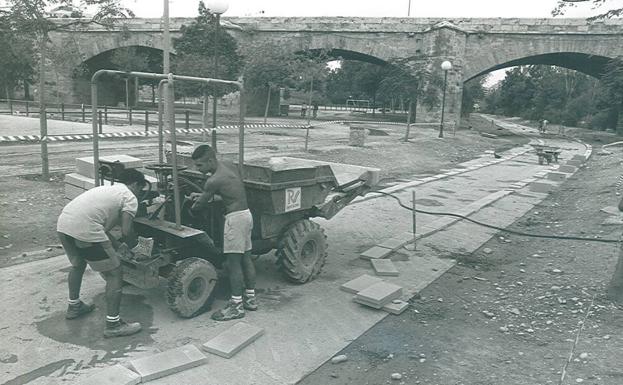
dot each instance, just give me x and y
(304, 325)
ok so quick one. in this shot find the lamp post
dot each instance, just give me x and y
(217, 7)
(445, 66)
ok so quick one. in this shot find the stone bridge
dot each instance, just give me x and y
(474, 46)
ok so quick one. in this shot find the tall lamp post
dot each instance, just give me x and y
(445, 66)
(217, 7)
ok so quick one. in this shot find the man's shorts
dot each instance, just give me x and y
(101, 256)
(237, 232)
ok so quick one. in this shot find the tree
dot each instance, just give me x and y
(196, 49)
(413, 81)
(17, 61)
(473, 94)
(28, 18)
(563, 6)
(267, 67)
(130, 59)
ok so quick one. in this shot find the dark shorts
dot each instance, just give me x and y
(101, 256)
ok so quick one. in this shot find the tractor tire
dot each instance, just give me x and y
(302, 251)
(190, 284)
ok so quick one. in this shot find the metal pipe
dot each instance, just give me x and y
(160, 122)
(241, 134)
(176, 190)
(94, 121)
(215, 96)
(443, 103)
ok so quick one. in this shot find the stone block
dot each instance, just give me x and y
(358, 284)
(84, 166)
(581, 158)
(574, 163)
(72, 191)
(556, 176)
(384, 267)
(396, 307)
(567, 169)
(168, 362)
(375, 253)
(233, 340)
(113, 375)
(379, 295)
(542, 186)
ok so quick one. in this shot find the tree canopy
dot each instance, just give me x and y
(196, 48)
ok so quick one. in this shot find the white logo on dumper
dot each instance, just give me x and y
(293, 199)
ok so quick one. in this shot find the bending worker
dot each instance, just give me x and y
(83, 228)
(227, 183)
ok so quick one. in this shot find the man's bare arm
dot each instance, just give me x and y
(209, 189)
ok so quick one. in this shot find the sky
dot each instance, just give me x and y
(371, 8)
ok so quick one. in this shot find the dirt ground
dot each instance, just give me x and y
(30, 207)
(517, 311)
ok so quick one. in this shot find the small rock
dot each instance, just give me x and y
(22, 200)
(334, 375)
(578, 380)
(5, 236)
(606, 337)
(390, 356)
(422, 360)
(339, 359)
(584, 355)
(396, 376)
(555, 288)
(562, 301)
(503, 329)
(49, 249)
(522, 271)
(515, 311)
(487, 250)
(439, 299)
(549, 322)
(556, 271)
(488, 314)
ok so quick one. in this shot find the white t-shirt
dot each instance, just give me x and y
(94, 212)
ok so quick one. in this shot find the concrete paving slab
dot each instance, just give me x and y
(384, 267)
(360, 283)
(380, 293)
(84, 166)
(567, 169)
(574, 162)
(396, 307)
(394, 243)
(233, 340)
(375, 253)
(543, 187)
(168, 362)
(556, 176)
(113, 375)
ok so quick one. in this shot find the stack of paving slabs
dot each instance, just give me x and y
(379, 295)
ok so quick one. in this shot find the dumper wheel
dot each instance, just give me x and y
(190, 284)
(302, 251)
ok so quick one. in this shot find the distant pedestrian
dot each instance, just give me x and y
(303, 109)
(315, 109)
(545, 125)
(83, 229)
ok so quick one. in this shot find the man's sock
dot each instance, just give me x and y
(250, 292)
(74, 302)
(112, 320)
(236, 299)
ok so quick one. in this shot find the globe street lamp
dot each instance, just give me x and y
(217, 7)
(445, 66)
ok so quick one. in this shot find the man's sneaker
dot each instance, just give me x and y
(249, 303)
(121, 328)
(75, 311)
(231, 311)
